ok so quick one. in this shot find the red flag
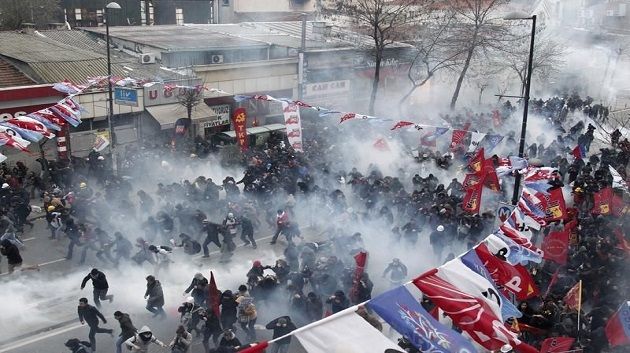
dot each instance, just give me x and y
(491, 179)
(573, 298)
(471, 180)
(470, 314)
(402, 124)
(458, 136)
(556, 247)
(381, 145)
(214, 296)
(255, 347)
(557, 344)
(515, 278)
(476, 164)
(553, 204)
(618, 326)
(347, 116)
(360, 260)
(239, 119)
(602, 201)
(571, 227)
(552, 282)
(472, 199)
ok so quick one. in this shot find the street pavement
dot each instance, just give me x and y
(39, 307)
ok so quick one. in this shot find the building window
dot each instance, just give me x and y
(77, 14)
(151, 13)
(99, 16)
(225, 2)
(179, 16)
(143, 13)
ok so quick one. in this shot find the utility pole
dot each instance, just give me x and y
(301, 59)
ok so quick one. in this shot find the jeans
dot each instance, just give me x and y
(94, 329)
(119, 343)
(156, 310)
(73, 242)
(209, 240)
(248, 237)
(248, 327)
(279, 348)
(101, 294)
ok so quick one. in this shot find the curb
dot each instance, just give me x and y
(36, 332)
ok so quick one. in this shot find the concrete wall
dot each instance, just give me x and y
(273, 5)
(253, 77)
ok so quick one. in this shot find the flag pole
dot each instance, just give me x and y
(579, 311)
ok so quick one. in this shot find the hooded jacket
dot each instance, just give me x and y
(127, 328)
(155, 293)
(99, 281)
(11, 252)
(138, 345)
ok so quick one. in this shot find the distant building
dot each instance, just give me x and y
(90, 13)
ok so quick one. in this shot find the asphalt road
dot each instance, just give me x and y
(39, 307)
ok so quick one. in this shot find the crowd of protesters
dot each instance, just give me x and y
(314, 279)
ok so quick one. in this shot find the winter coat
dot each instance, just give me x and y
(99, 281)
(90, 315)
(196, 282)
(155, 293)
(127, 329)
(181, 343)
(11, 252)
(138, 345)
(279, 331)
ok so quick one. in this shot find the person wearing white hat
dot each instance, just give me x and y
(438, 241)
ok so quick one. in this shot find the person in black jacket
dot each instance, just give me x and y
(229, 340)
(88, 313)
(127, 329)
(155, 297)
(199, 288)
(11, 251)
(281, 326)
(212, 236)
(211, 328)
(247, 232)
(228, 309)
(77, 346)
(99, 282)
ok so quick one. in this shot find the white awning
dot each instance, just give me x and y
(168, 114)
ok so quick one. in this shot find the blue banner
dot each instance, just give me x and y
(405, 314)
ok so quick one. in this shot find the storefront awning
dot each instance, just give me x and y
(168, 114)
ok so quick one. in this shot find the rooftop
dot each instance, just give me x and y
(57, 55)
(10, 76)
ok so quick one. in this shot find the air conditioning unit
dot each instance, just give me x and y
(147, 58)
(216, 59)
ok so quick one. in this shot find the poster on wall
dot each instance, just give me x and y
(293, 125)
(239, 118)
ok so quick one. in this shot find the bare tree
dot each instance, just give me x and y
(189, 97)
(548, 58)
(13, 13)
(479, 30)
(435, 51)
(384, 21)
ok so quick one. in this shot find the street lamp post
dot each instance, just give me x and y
(110, 100)
(521, 145)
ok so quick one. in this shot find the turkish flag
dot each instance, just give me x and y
(470, 314)
(557, 344)
(556, 247)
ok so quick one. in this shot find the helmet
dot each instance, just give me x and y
(190, 300)
(440, 228)
(230, 215)
(50, 208)
(83, 185)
